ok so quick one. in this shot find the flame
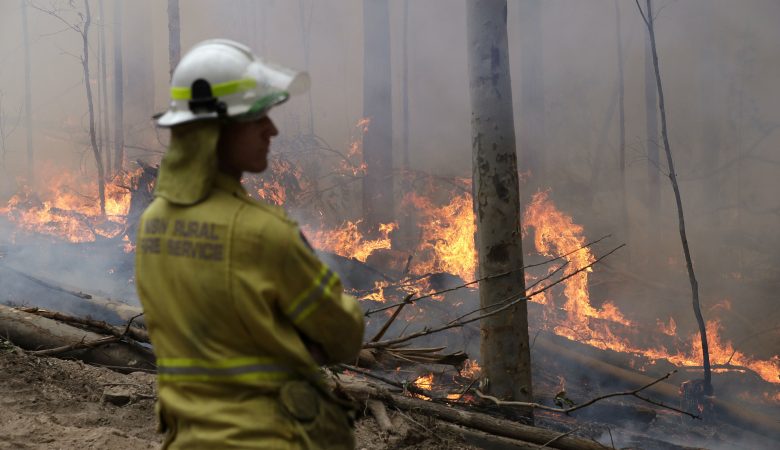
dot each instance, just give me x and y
(556, 234)
(471, 369)
(447, 240)
(424, 382)
(348, 241)
(67, 208)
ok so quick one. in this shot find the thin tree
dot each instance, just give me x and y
(174, 35)
(28, 96)
(119, 97)
(377, 107)
(82, 28)
(651, 128)
(505, 353)
(105, 131)
(649, 20)
(621, 124)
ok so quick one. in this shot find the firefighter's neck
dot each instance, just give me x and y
(230, 171)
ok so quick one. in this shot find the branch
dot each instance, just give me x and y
(633, 393)
(77, 346)
(642, 13)
(485, 278)
(506, 304)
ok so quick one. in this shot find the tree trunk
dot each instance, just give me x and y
(625, 228)
(32, 332)
(504, 350)
(708, 391)
(91, 108)
(531, 139)
(119, 99)
(28, 97)
(139, 66)
(174, 35)
(408, 235)
(377, 107)
(651, 126)
(105, 133)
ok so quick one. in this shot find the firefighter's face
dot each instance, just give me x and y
(243, 146)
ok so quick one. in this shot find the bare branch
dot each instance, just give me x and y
(505, 304)
(632, 393)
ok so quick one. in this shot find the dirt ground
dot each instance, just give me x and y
(48, 403)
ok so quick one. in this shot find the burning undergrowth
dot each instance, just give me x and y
(425, 262)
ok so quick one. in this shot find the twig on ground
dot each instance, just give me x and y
(633, 393)
(560, 436)
(77, 346)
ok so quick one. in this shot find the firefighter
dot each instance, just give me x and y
(240, 310)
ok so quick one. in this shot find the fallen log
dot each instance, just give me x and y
(113, 311)
(46, 336)
(741, 417)
(363, 391)
(134, 332)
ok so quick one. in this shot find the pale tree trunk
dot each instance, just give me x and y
(174, 35)
(531, 139)
(28, 97)
(305, 20)
(708, 391)
(408, 235)
(119, 89)
(105, 132)
(139, 71)
(622, 127)
(91, 108)
(377, 107)
(651, 126)
(505, 355)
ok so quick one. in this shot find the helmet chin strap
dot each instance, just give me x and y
(204, 101)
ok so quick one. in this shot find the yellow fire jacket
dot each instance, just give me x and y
(231, 292)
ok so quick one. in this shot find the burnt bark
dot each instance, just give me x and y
(377, 107)
(708, 391)
(505, 354)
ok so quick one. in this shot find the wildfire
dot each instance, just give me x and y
(68, 208)
(556, 234)
(447, 242)
(424, 382)
(348, 241)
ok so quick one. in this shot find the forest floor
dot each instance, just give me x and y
(49, 403)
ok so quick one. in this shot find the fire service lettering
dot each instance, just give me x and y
(187, 239)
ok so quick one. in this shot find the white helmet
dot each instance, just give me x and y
(220, 78)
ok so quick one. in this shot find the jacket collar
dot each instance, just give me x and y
(229, 184)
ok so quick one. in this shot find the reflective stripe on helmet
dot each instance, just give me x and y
(235, 369)
(217, 90)
(306, 303)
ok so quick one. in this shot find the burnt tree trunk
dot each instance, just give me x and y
(505, 355)
(91, 109)
(377, 107)
(119, 98)
(174, 35)
(27, 96)
(708, 391)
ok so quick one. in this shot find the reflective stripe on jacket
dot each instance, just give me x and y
(230, 291)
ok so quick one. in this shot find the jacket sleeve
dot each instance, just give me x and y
(311, 297)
